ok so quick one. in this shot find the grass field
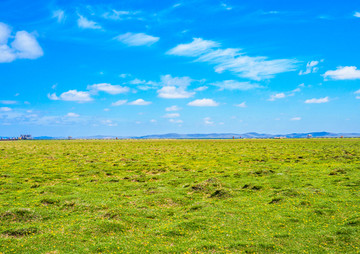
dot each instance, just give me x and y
(185, 196)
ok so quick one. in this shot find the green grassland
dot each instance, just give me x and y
(180, 196)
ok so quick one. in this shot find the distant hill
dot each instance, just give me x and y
(322, 134)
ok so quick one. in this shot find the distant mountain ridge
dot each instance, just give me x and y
(322, 134)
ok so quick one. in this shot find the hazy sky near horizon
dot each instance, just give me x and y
(146, 67)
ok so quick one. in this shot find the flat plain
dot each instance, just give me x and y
(180, 196)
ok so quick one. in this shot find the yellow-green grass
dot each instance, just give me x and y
(180, 196)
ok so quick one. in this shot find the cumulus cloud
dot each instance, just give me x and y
(310, 68)
(171, 115)
(173, 108)
(5, 33)
(174, 87)
(70, 114)
(320, 100)
(108, 88)
(119, 103)
(172, 92)
(233, 60)
(140, 102)
(343, 73)
(23, 46)
(87, 24)
(72, 95)
(203, 103)
(241, 105)
(357, 92)
(139, 39)
(357, 14)
(235, 85)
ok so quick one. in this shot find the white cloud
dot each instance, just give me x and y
(203, 103)
(201, 88)
(274, 97)
(106, 109)
(233, 60)
(357, 14)
(153, 121)
(137, 81)
(173, 108)
(197, 47)
(175, 121)
(172, 92)
(72, 95)
(70, 114)
(124, 75)
(139, 39)
(109, 123)
(140, 102)
(108, 88)
(59, 15)
(241, 105)
(357, 92)
(5, 109)
(208, 121)
(235, 85)
(24, 45)
(119, 103)
(357, 97)
(171, 115)
(5, 33)
(310, 68)
(343, 73)
(8, 102)
(120, 15)
(174, 88)
(87, 24)
(295, 119)
(320, 100)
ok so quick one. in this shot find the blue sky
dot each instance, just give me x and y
(145, 67)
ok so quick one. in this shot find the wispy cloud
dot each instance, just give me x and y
(320, 100)
(311, 67)
(235, 85)
(233, 60)
(119, 103)
(196, 48)
(8, 102)
(241, 105)
(5, 109)
(274, 97)
(139, 39)
(71, 114)
(84, 23)
(59, 15)
(173, 108)
(203, 103)
(343, 73)
(295, 119)
(357, 14)
(72, 95)
(108, 88)
(171, 115)
(208, 121)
